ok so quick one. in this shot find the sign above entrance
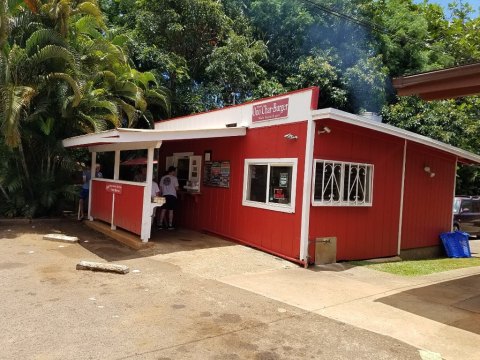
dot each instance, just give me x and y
(270, 110)
(114, 188)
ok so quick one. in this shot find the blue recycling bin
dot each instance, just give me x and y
(456, 244)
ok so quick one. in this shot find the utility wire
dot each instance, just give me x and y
(366, 24)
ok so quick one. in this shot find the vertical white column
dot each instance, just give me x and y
(92, 175)
(454, 187)
(116, 176)
(307, 191)
(116, 168)
(402, 195)
(147, 201)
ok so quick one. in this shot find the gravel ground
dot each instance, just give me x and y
(159, 310)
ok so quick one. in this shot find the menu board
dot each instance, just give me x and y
(217, 173)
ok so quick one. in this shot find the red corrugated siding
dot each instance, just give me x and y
(101, 207)
(220, 210)
(428, 201)
(129, 208)
(128, 205)
(362, 232)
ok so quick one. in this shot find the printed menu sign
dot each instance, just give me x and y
(217, 173)
(114, 188)
(270, 110)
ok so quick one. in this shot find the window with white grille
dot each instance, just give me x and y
(338, 183)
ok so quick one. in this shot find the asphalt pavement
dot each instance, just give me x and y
(185, 298)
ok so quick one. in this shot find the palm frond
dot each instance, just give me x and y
(145, 78)
(73, 85)
(109, 106)
(126, 89)
(14, 100)
(53, 52)
(89, 25)
(130, 111)
(160, 98)
(89, 8)
(107, 76)
(43, 37)
(91, 123)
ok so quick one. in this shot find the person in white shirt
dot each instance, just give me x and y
(155, 188)
(168, 187)
(155, 192)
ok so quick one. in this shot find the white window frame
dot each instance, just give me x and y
(341, 201)
(287, 208)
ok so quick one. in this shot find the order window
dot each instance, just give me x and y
(338, 183)
(270, 184)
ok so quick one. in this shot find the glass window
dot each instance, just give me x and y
(338, 183)
(269, 184)
(466, 206)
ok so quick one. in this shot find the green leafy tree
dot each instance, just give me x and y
(62, 74)
(323, 70)
(234, 67)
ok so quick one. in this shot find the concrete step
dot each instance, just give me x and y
(131, 240)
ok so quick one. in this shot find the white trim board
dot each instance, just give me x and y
(342, 116)
(124, 139)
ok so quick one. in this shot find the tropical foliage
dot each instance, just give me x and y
(62, 73)
(69, 67)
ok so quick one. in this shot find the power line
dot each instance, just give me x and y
(366, 24)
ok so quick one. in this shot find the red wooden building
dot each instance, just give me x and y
(281, 176)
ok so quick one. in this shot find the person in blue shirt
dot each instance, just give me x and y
(84, 191)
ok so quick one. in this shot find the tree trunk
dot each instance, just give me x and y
(25, 169)
(2, 189)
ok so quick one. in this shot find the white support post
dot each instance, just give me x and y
(116, 176)
(112, 221)
(454, 188)
(147, 201)
(116, 169)
(307, 191)
(92, 175)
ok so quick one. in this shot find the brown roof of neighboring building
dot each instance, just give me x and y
(441, 84)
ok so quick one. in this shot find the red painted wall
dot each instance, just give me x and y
(101, 203)
(128, 205)
(362, 232)
(129, 208)
(428, 200)
(220, 210)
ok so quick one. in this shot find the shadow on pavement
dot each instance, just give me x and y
(163, 241)
(455, 303)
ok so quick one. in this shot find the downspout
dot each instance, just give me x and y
(307, 192)
(402, 194)
(454, 187)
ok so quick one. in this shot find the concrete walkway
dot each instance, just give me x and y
(439, 313)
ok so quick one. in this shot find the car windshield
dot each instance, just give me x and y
(456, 206)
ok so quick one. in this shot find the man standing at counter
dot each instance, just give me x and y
(168, 187)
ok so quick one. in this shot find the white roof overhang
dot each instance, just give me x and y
(130, 139)
(342, 116)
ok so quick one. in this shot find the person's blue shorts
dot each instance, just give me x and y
(84, 194)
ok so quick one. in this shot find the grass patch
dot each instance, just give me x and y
(419, 267)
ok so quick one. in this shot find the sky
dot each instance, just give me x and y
(444, 3)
